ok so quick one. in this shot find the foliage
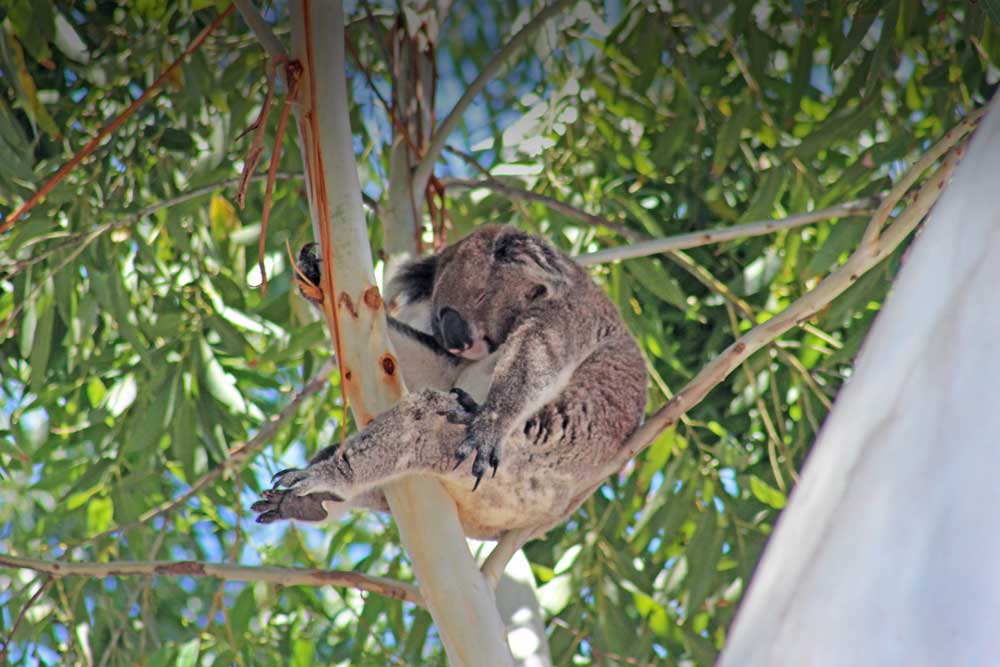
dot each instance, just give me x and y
(135, 351)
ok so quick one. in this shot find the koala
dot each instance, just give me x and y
(525, 371)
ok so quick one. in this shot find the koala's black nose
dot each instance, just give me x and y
(455, 333)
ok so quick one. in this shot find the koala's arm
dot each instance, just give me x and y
(418, 434)
(535, 364)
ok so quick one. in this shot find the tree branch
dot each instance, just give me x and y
(745, 230)
(422, 174)
(457, 596)
(20, 617)
(913, 173)
(284, 576)
(261, 29)
(649, 246)
(515, 192)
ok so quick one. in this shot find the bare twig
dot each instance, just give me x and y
(20, 617)
(644, 246)
(514, 192)
(745, 230)
(285, 576)
(422, 174)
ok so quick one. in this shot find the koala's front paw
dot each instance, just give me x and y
(326, 473)
(300, 493)
(283, 505)
(483, 438)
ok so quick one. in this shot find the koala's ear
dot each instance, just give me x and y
(415, 280)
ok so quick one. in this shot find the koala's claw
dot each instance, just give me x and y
(486, 456)
(276, 477)
(300, 482)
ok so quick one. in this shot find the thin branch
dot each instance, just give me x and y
(284, 576)
(913, 173)
(515, 192)
(745, 230)
(237, 455)
(647, 246)
(422, 174)
(20, 617)
(508, 545)
(261, 29)
(120, 119)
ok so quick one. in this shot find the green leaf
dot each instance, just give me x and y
(843, 239)
(702, 553)
(121, 395)
(993, 10)
(655, 278)
(836, 129)
(302, 653)
(219, 383)
(183, 438)
(41, 343)
(772, 186)
(766, 493)
(34, 25)
(243, 609)
(555, 595)
(188, 655)
(100, 513)
(861, 22)
(729, 136)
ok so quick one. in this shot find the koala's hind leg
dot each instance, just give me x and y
(419, 434)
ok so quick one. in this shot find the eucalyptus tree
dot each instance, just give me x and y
(718, 165)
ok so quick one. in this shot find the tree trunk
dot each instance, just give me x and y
(885, 554)
(457, 595)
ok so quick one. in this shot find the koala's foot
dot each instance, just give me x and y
(284, 505)
(482, 437)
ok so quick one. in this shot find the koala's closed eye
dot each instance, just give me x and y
(537, 292)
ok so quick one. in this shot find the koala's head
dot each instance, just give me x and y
(479, 287)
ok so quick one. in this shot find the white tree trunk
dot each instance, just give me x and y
(886, 553)
(456, 593)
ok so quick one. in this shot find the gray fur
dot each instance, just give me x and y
(561, 390)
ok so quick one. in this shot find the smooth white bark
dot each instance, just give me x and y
(886, 552)
(455, 592)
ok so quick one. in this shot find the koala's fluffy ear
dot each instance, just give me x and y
(414, 281)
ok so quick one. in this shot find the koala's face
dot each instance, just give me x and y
(483, 284)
